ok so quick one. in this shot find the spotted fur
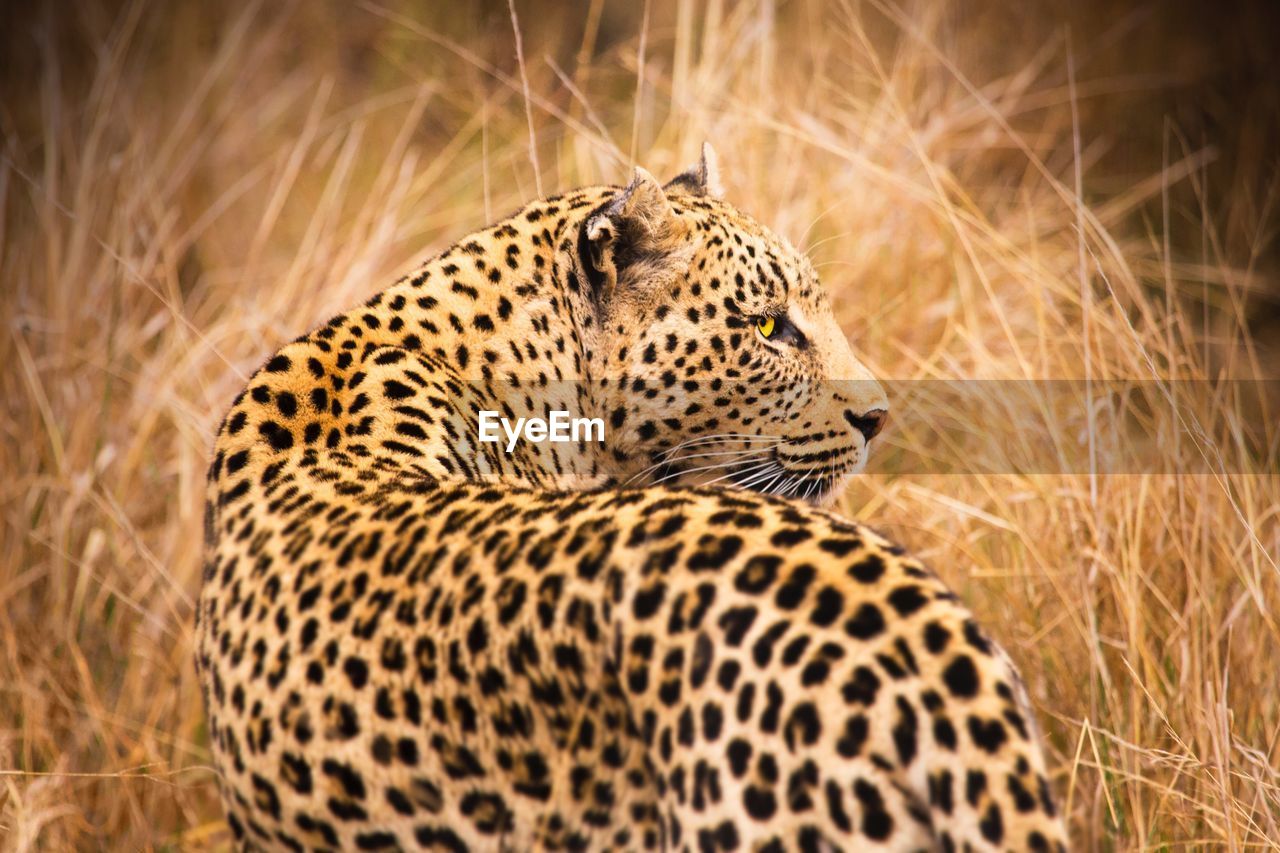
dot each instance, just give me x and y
(408, 639)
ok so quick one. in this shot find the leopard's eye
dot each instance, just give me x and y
(778, 329)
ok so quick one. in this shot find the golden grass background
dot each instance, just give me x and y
(998, 192)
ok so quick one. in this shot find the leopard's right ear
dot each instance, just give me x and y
(702, 178)
(634, 241)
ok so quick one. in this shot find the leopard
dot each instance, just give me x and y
(664, 637)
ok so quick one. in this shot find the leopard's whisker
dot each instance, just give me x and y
(769, 487)
(828, 477)
(794, 486)
(769, 469)
(755, 457)
(805, 483)
(715, 453)
(723, 437)
(728, 436)
(812, 485)
(751, 451)
(669, 456)
(765, 465)
(673, 475)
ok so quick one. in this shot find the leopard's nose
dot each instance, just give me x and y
(869, 423)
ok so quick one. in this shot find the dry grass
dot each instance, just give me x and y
(184, 188)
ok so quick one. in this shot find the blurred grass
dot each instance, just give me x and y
(989, 192)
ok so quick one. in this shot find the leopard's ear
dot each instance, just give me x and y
(634, 240)
(702, 178)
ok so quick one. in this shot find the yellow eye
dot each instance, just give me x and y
(765, 326)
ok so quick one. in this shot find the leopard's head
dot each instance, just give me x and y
(716, 348)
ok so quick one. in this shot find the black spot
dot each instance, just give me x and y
(973, 635)
(736, 623)
(700, 665)
(287, 404)
(772, 708)
(278, 437)
(278, 364)
(791, 594)
(1014, 719)
(975, 784)
(877, 824)
(1046, 800)
(868, 622)
(862, 686)
(854, 736)
(728, 674)
(940, 791)
(376, 841)
(394, 389)
(936, 637)
(1023, 800)
(715, 555)
(265, 796)
(944, 733)
(382, 749)
(739, 754)
(961, 677)
(648, 600)
(868, 570)
(815, 672)
(236, 461)
(891, 666)
(433, 837)
(762, 651)
(789, 537)
(760, 802)
(991, 825)
(343, 723)
(907, 600)
(746, 701)
(829, 606)
(841, 547)
(758, 574)
(357, 671)
(905, 732)
(803, 726)
(296, 771)
(478, 637)
(712, 721)
(989, 735)
(835, 806)
(351, 781)
(795, 650)
(323, 828)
